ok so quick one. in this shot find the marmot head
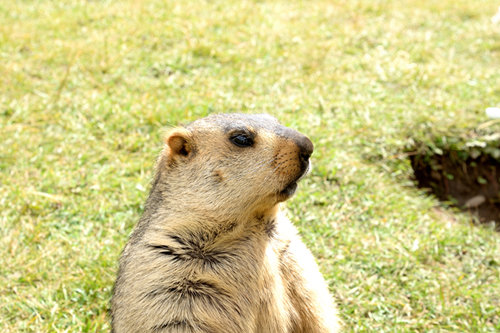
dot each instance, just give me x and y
(234, 163)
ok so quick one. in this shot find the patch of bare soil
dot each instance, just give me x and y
(469, 183)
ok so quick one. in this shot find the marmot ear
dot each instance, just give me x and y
(179, 142)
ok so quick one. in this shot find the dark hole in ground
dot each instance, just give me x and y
(471, 184)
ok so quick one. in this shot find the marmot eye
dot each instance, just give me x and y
(241, 140)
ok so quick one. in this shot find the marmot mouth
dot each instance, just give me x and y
(290, 189)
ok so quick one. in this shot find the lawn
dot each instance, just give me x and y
(87, 88)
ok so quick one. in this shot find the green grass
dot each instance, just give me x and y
(87, 87)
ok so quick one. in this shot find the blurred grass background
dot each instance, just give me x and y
(88, 86)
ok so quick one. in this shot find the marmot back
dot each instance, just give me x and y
(212, 252)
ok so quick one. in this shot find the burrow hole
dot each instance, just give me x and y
(472, 184)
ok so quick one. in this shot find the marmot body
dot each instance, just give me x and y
(212, 252)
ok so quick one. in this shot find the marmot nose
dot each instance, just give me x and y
(305, 145)
(306, 149)
(304, 158)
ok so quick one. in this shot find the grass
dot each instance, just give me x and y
(88, 87)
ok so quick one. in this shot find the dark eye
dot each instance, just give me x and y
(241, 140)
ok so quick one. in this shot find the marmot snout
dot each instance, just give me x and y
(212, 252)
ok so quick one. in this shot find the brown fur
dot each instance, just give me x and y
(212, 252)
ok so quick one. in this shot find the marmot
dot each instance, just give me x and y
(212, 252)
